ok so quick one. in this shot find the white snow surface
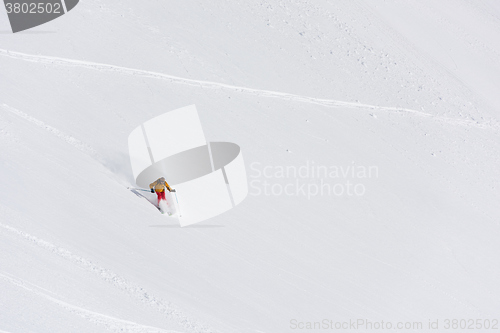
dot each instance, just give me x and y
(409, 88)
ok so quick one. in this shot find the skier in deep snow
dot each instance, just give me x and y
(159, 186)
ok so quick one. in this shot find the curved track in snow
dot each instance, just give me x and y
(110, 323)
(58, 61)
(54, 131)
(138, 293)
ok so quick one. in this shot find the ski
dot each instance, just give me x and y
(169, 213)
(138, 189)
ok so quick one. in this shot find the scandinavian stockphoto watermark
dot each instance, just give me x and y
(447, 324)
(209, 177)
(26, 14)
(357, 325)
(311, 179)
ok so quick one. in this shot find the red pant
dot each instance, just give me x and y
(161, 196)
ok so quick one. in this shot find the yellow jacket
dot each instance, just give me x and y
(159, 185)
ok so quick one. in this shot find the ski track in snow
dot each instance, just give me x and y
(54, 131)
(109, 322)
(138, 293)
(50, 60)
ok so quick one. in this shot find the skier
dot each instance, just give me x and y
(159, 186)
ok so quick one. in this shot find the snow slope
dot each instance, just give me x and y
(409, 88)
